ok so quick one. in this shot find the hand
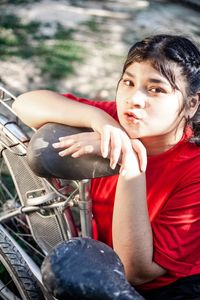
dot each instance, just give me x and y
(79, 144)
(141, 152)
(116, 144)
(135, 161)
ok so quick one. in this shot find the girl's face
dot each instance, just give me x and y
(148, 107)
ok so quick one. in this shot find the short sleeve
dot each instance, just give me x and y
(176, 231)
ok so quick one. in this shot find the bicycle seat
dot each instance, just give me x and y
(45, 162)
(86, 269)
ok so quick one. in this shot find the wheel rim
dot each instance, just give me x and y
(8, 288)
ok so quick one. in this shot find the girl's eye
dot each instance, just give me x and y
(157, 90)
(128, 82)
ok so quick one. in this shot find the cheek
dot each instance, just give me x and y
(171, 108)
(119, 98)
(120, 111)
(122, 93)
(166, 116)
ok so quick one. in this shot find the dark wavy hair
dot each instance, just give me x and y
(164, 52)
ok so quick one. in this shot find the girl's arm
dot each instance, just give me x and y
(39, 107)
(132, 233)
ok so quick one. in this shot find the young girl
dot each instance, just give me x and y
(150, 213)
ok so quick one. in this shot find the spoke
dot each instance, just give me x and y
(5, 285)
(25, 242)
(21, 222)
(6, 293)
(6, 190)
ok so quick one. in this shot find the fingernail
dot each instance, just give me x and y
(143, 168)
(104, 154)
(61, 153)
(55, 145)
(123, 172)
(113, 165)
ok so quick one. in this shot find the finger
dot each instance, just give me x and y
(77, 136)
(126, 148)
(85, 150)
(74, 148)
(139, 148)
(72, 136)
(63, 144)
(116, 149)
(105, 141)
(122, 169)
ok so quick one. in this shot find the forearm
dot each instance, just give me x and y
(39, 107)
(132, 234)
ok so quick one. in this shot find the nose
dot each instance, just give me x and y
(137, 99)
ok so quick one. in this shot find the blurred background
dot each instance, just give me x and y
(79, 46)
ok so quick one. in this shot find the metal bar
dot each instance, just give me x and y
(85, 205)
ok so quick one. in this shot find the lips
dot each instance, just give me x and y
(130, 116)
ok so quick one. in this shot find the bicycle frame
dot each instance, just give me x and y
(49, 202)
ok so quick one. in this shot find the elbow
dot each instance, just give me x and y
(20, 104)
(137, 269)
(139, 273)
(26, 108)
(22, 110)
(17, 105)
(137, 277)
(25, 101)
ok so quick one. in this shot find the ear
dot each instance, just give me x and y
(193, 105)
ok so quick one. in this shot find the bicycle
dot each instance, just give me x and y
(44, 200)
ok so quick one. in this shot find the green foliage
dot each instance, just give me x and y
(54, 54)
(92, 24)
(59, 58)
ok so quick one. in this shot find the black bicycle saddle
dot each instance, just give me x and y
(45, 162)
(86, 269)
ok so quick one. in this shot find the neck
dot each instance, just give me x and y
(158, 144)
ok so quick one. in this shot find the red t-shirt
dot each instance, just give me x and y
(173, 196)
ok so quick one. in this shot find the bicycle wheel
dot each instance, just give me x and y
(16, 279)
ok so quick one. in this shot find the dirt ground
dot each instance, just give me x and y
(116, 26)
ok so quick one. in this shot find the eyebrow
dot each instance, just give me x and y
(153, 80)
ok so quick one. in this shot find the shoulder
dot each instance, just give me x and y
(190, 154)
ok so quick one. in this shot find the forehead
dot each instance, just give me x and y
(144, 70)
